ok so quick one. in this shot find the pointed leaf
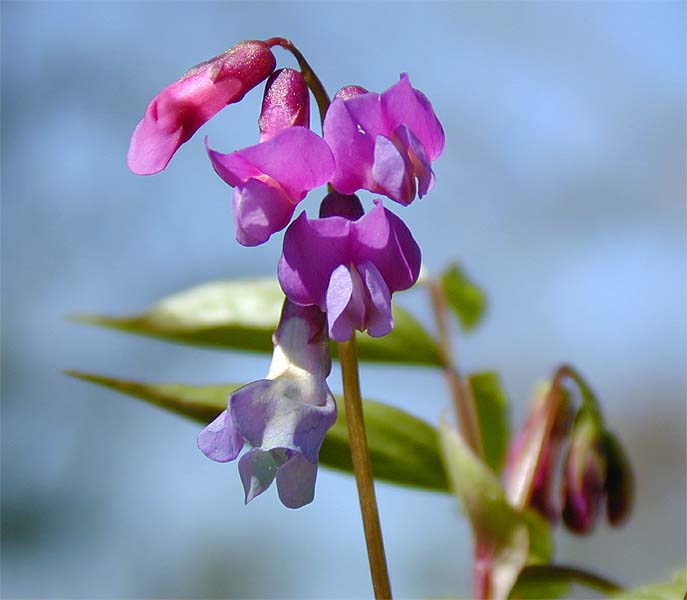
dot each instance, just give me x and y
(507, 537)
(403, 448)
(243, 314)
(492, 416)
(468, 301)
(554, 581)
(676, 589)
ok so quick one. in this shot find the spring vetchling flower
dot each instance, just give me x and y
(177, 112)
(349, 264)
(283, 417)
(384, 142)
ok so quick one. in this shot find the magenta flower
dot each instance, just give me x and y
(286, 103)
(283, 417)
(384, 142)
(271, 178)
(177, 112)
(350, 265)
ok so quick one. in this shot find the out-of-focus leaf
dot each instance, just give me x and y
(555, 581)
(676, 589)
(403, 448)
(492, 416)
(468, 301)
(514, 539)
(243, 314)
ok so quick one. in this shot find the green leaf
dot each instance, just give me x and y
(492, 416)
(513, 538)
(468, 301)
(243, 314)
(555, 581)
(403, 448)
(676, 589)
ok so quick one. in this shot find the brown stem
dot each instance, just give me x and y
(363, 469)
(463, 400)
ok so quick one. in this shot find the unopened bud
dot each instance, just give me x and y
(286, 103)
(619, 482)
(584, 475)
(179, 110)
(350, 91)
(341, 205)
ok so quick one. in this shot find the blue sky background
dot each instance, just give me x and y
(562, 191)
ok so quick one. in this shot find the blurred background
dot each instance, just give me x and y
(561, 191)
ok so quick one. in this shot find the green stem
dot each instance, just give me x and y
(360, 457)
(463, 400)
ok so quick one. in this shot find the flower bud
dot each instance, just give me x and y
(619, 482)
(350, 91)
(179, 110)
(584, 474)
(341, 205)
(286, 103)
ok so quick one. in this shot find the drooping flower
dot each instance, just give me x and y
(271, 178)
(177, 112)
(584, 474)
(384, 142)
(283, 417)
(619, 481)
(349, 264)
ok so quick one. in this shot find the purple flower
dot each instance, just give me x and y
(271, 178)
(177, 112)
(283, 417)
(349, 266)
(384, 142)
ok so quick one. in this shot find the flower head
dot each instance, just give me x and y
(271, 178)
(384, 142)
(283, 417)
(177, 112)
(349, 266)
(286, 103)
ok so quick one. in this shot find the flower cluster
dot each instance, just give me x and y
(338, 271)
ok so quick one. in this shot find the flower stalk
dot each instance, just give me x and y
(363, 469)
(463, 400)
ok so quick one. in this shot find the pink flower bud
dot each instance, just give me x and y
(286, 103)
(177, 112)
(350, 91)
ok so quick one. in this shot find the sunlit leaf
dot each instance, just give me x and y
(243, 314)
(514, 540)
(403, 448)
(492, 416)
(468, 301)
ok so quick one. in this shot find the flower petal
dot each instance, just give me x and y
(378, 318)
(391, 173)
(345, 303)
(257, 469)
(296, 481)
(404, 105)
(420, 165)
(384, 240)
(259, 211)
(297, 158)
(304, 279)
(220, 441)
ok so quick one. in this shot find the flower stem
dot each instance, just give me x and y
(348, 356)
(463, 400)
